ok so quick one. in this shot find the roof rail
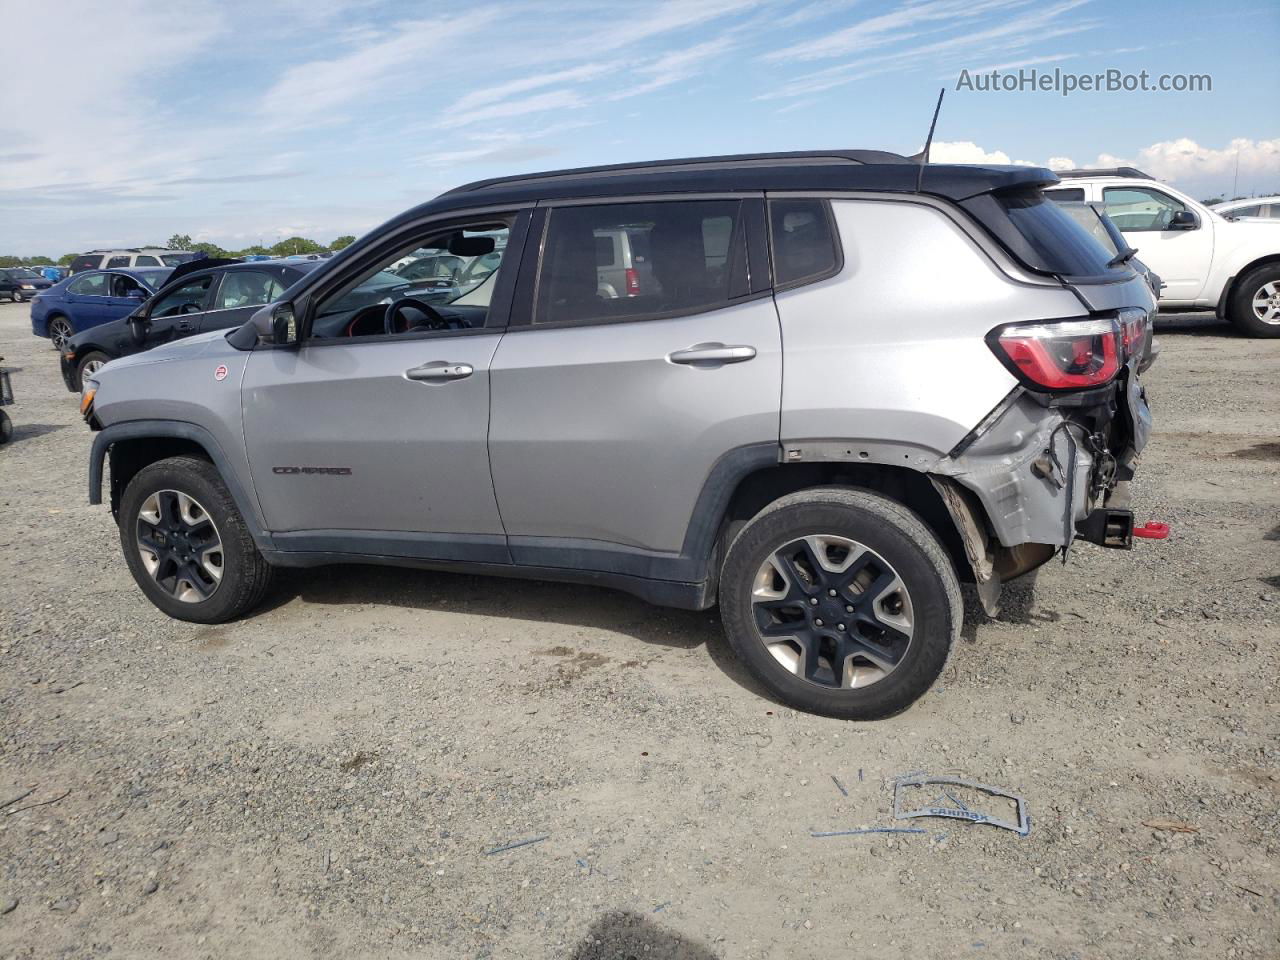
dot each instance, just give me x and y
(789, 158)
(1104, 172)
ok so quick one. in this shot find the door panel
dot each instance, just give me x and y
(597, 435)
(409, 455)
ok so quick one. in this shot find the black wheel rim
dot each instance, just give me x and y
(179, 546)
(832, 611)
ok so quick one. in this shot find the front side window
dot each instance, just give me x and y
(121, 285)
(187, 297)
(1140, 210)
(93, 285)
(629, 261)
(804, 246)
(247, 288)
(442, 282)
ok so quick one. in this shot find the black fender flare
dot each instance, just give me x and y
(177, 430)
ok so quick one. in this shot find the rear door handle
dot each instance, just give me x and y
(439, 371)
(713, 353)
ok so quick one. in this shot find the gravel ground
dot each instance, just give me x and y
(328, 777)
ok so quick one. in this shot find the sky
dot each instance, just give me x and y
(245, 122)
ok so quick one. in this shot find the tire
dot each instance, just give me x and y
(60, 331)
(181, 580)
(6, 428)
(899, 618)
(93, 359)
(1257, 296)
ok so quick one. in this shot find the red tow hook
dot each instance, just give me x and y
(1152, 530)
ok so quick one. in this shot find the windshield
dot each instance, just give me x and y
(153, 280)
(1091, 220)
(173, 259)
(22, 273)
(1045, 236)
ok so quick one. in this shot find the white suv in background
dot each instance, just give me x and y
(1206, 260)
(132, 257)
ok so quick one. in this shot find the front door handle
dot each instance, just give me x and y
(439, 371)
(713, 353)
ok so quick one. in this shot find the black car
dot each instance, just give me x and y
(21, 283)
(199, 296)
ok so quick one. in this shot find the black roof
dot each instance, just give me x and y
(868, 170)
(1105, 172)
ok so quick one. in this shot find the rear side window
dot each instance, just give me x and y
(94, 285)
(1065, 193)
(804, 246)
(85, 263)
(147, 261)
(686, 256)
(117, 262)
(1055, 242)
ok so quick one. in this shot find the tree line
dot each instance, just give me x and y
(182, 241)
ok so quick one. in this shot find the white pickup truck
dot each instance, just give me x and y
(1207, 261)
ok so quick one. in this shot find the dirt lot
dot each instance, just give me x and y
(326, 778)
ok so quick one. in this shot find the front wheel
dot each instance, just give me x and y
(841, 602)
(90, 364)
(1255, 305)
(187, 545)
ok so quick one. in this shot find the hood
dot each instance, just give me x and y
(189, 348)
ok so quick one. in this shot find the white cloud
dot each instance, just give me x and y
(315, 88)
(964, 151)
(1060, 163)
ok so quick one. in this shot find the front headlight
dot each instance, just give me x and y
(28, 286)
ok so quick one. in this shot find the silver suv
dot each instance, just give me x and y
(848, 386)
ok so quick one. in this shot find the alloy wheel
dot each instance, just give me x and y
(1266, 302)
(832, 611)
(90, 368)
(179, 545)
(60, 332)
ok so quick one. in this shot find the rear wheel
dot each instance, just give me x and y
(841, 602)
(60, 331)
(1255, 304)
(186, 544)
(6, 427)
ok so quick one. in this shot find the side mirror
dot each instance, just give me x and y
(1183, 220)
(275, 324)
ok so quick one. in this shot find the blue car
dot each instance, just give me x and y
(91, 298)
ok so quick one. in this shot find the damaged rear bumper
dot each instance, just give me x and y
(1040, 472)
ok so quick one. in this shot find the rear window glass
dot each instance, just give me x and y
(1057, 243)
(685, 256)
(803, 245)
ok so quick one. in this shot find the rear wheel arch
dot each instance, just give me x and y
(1237, 285)
(759, 489)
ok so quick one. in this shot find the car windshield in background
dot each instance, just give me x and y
(153, 280)
(174, 259)
(449, 275)
(22, 273)
(1061, 244)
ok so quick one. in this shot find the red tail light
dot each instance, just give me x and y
(1061, 354)
(633, 282)
(1133, 332)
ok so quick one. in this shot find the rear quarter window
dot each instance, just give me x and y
(804, 245)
